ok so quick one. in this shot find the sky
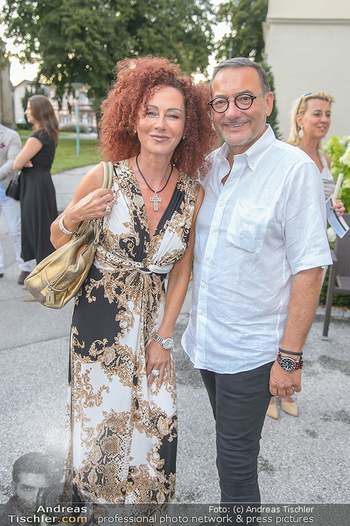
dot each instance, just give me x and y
(20, 72)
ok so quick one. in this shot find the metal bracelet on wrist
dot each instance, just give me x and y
(63, 228)
(166, 343)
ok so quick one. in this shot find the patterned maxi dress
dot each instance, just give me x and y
(124, 434)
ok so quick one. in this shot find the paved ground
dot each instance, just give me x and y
(303, 460)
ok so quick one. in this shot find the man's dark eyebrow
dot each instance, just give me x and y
(245, 92)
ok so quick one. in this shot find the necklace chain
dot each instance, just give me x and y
(155, 199)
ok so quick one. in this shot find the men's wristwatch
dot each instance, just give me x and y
(166, 343)
(288, 364)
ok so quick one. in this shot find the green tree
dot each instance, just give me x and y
(76, 40)
(273, 118)
(338, 149)
(245, 18)
(245, 39)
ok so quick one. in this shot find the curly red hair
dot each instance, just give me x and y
(135, 84)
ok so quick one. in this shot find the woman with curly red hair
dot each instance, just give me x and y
(157, 131)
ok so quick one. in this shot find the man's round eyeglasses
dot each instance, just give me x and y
(242, 102)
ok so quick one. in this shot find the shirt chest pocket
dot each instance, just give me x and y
(247, 227)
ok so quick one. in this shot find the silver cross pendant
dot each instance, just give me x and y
(155, 199)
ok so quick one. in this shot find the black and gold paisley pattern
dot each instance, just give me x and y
(124, 434)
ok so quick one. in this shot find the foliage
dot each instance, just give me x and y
(245, 18)
(339, 300)
(338, 149)
(23, 126)
(79, 41)
(273, 118)
(71, 128)
(245, 39)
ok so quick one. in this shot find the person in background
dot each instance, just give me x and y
(156, 128)
(38, 196)
(30, 476)
(256, 279)
(310, 121)
(10, 146)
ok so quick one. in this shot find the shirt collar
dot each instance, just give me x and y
(256, 152)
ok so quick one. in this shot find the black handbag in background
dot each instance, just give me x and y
(13, 189)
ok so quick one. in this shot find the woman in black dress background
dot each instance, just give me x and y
(38, 196)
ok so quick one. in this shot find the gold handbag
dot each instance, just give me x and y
(59, 277)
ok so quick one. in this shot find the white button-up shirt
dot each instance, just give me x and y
(266, 223)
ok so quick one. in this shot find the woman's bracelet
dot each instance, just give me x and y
(63, 228)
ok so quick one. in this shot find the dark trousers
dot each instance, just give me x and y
(239, 403)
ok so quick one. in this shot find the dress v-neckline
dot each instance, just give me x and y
(143, 206)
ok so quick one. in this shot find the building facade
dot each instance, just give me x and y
(66, 112)
(306, 45)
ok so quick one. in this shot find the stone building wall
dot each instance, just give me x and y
(6, 91)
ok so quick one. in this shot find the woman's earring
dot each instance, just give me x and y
(301, 133)
(184, 137)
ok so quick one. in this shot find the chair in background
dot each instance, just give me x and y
(339, 274)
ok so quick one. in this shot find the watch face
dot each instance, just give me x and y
(287, 364)
(168, 343)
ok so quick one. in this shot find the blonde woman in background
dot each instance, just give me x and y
(310, 121)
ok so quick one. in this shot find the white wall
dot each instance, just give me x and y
(307, 43)
(312, 9)
(19, 92)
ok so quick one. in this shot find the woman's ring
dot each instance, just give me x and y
(108, 209)
(155, 373)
